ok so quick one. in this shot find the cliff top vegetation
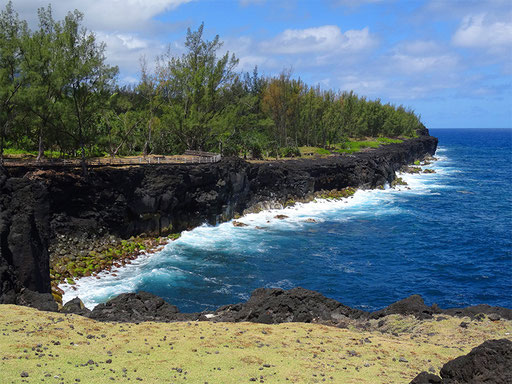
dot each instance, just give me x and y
(59, 97)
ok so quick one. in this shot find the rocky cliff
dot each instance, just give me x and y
(39, 207)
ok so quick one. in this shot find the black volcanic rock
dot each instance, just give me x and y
(272, 305)
(504, 313)
(426, 378)
(75, 306)
(41, 301)
(41, 206)
(135, 307)
(24, 235)
(412, 305)
(490, 363)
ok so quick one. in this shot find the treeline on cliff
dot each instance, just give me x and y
(59, 96)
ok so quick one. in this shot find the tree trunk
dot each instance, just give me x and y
(2, 145)
(83, 161)
(148, 140)
(40, 152)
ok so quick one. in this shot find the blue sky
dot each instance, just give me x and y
(449, 60)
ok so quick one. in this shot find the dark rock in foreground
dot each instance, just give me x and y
(412, 305)
(490, 363)
(75, 306)
(426, 378)
(24, 237)
(266, 305)
(41, 301)
(272, 306)
(135, 307)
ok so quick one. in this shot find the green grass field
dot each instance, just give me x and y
(58, 348)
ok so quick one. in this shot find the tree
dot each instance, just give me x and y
(88, 80)
(43, 95)
(333, 120)
(12, 33)
(149, 91)
(194, 86)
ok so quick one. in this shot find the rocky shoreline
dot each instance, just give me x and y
(274, 306)
(115, 214)
(40, 209)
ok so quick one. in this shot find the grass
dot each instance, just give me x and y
(68, 347)
(14, 152)
(352, 146)
(311, 151)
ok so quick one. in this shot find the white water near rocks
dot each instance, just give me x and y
(164, 267)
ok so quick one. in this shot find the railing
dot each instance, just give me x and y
(187, 158)
(215, 157)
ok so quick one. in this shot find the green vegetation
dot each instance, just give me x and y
(58, 97)
(68, 268)
(312, 151)
(337, 194)
(398, 181)
(63, 348)
(352, 146)
(413, 169)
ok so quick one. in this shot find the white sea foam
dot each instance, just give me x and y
(225, 236)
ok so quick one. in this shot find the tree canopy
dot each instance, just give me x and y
(58, 94)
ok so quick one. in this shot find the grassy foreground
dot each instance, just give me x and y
(48, 347)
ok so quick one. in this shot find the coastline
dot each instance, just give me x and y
(39, 207)
(409, 323)
(301, 214)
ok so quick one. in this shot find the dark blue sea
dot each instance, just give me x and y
(447, 238)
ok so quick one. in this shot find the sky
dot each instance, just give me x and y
(448, 60)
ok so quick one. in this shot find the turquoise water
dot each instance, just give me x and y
(448, 238)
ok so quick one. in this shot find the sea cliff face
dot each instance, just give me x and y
(38, 208)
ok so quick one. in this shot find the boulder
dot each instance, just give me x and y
(135, 307)
(273, 305)
(41, 301)
(490, 363)
(475, 310)
(75, 306)
(412, 305)
(426, 378)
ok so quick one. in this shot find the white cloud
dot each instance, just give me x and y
(477, 31)
(423, 57)
(327, 38)
(110, 15)
(126, 26)
(412, 64)
(363, 85)
(125, 50)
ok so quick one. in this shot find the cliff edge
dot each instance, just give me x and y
(40, 207)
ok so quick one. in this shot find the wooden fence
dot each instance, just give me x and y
(190, 157)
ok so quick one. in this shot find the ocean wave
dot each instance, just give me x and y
(178, 260)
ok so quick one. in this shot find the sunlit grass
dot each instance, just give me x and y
(50, 346)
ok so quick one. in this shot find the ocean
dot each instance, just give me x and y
(446, 236)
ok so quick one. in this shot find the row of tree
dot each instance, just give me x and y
(58, 93)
